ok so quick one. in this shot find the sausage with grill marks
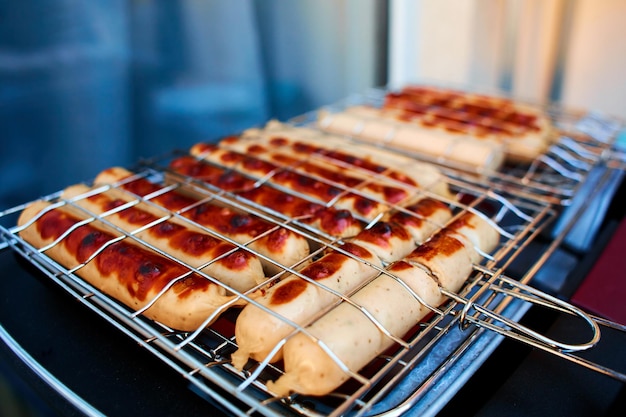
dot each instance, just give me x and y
(124, 270)
(336, 223)
(341, 195)
(422, 218)
(236, 267)
(444, 261)
(341, 152)
(476, 235)
(477, 232)
(351, 335)
(258, 332)
(285, 247)
(388, 241)
(387, 126)
(391, 189)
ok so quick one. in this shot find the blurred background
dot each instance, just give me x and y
(85, 85)
(89, 84)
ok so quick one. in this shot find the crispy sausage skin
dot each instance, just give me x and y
(376, 125)
(422, 219)
(373, 161)
(280, 245)
(238, 268)
(327, 187)
(476, 232)
(388, 241)
(296, 300)
(444, 261)
(258, 331)
(351, 335)
(364, 180)
(128, 272)
(336, 223)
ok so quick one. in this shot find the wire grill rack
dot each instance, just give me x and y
(406, 374)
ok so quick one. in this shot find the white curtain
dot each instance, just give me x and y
(570, 51)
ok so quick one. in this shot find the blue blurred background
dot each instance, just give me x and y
(89, 84)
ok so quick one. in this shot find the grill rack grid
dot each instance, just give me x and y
(201, 357)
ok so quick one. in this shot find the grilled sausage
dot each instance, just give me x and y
(296, 300)
(130, 273)
(312, 161)
(351, 335)
(306, 143)
(362, 179)
(258, 332)
(354, 339)
(340, 192)
(422, 218)
(388, 241)
(386, 127)
(237, 268)
(336, 223)
(283, 246)
(522, 129)
(477, 233)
